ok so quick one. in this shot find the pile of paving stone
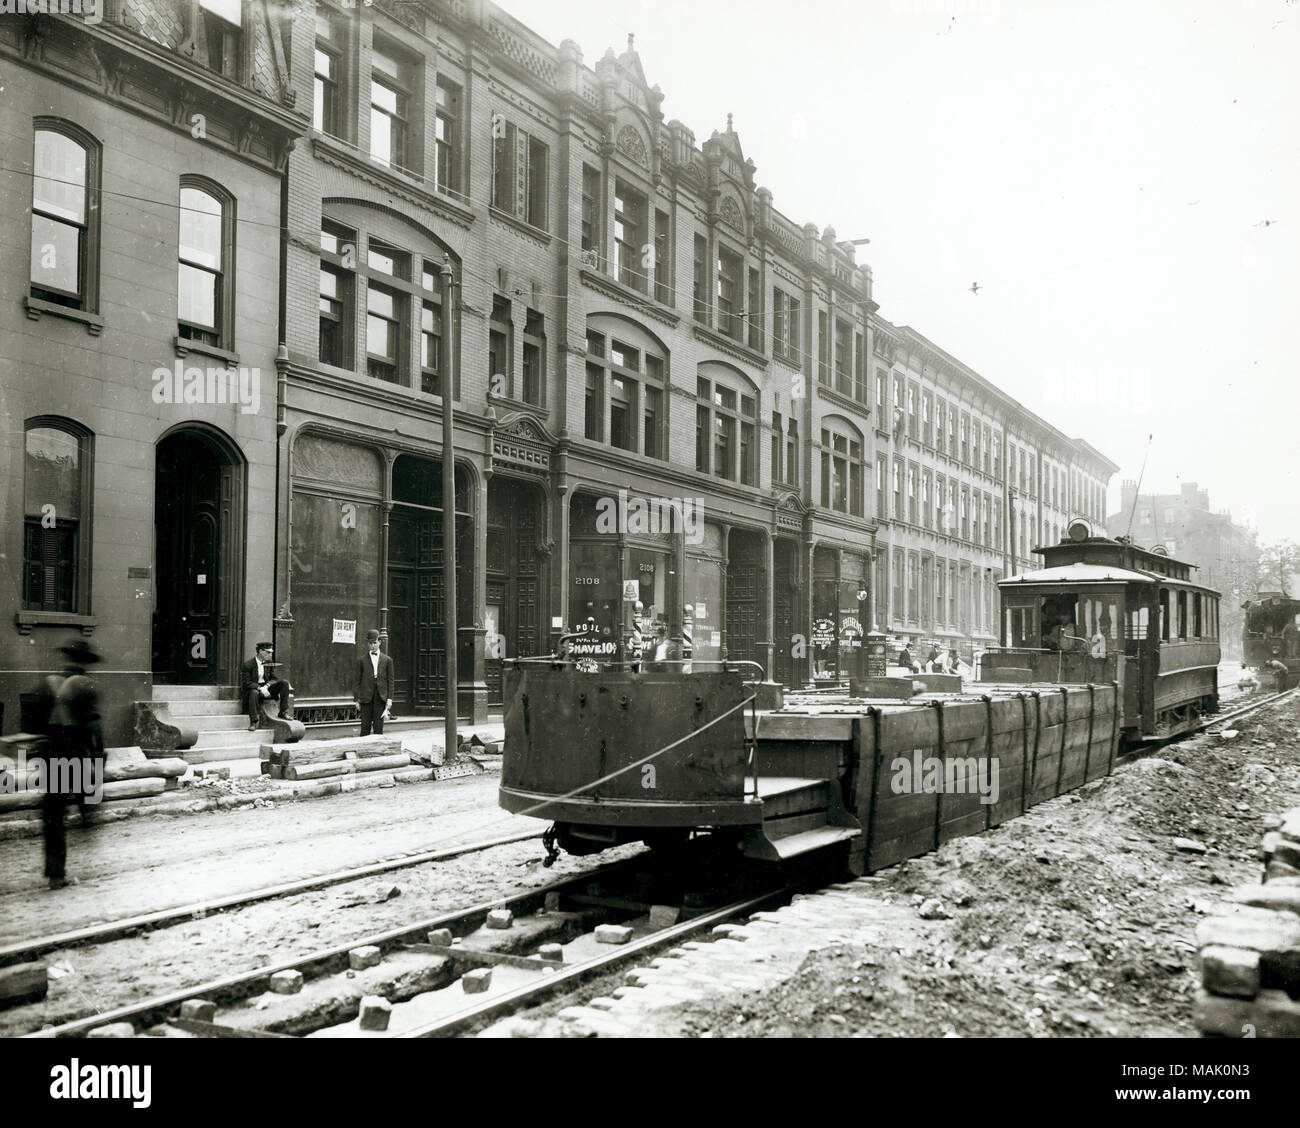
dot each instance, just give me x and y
(1250, 953)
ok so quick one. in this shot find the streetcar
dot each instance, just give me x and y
(1104, 610)
(1271, 634)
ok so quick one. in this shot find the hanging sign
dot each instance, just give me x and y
(345, 630)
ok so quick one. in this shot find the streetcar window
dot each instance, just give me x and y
(1197, 632)
(1138, 619)
(1182, 614)
(1164, 614)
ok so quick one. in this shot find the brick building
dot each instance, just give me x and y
(139, 229)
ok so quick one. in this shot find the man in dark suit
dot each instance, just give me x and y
(258, 684)
(373, 691)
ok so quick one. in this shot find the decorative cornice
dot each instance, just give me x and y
(830, 395)
(535, 235)
(629, 297)
(380, 177)
(723, 343)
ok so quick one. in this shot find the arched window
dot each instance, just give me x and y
(624, 397)
(842, 470)
(204, 290)
(65, 215)
(56, 508)
(726, 419)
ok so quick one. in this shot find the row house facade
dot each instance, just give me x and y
(140, 331)
(968, 483)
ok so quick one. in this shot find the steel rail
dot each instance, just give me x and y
(567, 977)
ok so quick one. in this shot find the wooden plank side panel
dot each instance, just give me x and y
(805, 759)
(1076, 739)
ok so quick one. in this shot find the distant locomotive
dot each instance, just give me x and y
(1106, 610)
(1271, 634)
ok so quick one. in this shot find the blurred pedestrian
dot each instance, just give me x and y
(72, 753)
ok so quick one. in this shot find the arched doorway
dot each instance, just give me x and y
(199, 550)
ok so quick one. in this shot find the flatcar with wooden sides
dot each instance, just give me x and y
(1104, 610)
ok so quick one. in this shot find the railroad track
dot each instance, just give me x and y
(429, 959)
(1221, 718)
(126, 926)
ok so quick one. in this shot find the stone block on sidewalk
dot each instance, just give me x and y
(375, 1012)
(1262, 930)
(551, 953)
(441, 937)
(1271, 1014)
(286, 982)
(1282, 895)
(201, 1010)
(500, 918)
(477, 981)
(368, 955)
(1230, 971)
(1276, 870)
(613, 934)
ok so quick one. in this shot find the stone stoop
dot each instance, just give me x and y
(203, 723)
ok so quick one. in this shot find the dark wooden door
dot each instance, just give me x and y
(191, 626)
(745, 582)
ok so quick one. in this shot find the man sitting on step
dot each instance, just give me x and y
(257, 684)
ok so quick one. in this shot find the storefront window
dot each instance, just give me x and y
(594, 591)
(334, 565)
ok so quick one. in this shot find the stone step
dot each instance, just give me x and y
(184, 707)
(206, 755)
(211, 723)
(194, 692)
(225, 738)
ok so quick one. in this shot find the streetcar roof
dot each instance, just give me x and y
(1084, 574)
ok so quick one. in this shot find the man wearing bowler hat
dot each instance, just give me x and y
(373, 691)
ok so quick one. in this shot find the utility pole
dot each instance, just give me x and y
(447, 357)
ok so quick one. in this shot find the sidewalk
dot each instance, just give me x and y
(240, 784)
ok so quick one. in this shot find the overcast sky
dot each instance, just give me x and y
(1120, 178)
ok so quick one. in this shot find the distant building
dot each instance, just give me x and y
(1226, 554)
